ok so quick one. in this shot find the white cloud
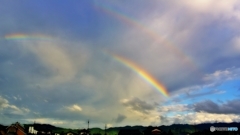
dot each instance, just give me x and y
(15, 97)
(47, 120)
(202, 13)
(210, 81)
(25, 109)
(5, 106)
(174, 108)
(161, 44)
(109, 125)
(197, 118)
(75, 107)
(222, 75)
(3, 103)
(202, 117)
(206, 5)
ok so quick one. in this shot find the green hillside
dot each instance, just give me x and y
(175, 128)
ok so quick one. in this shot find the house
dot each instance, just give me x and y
(156, 132)
(41, 129)
(129, 132)
(15, 129)
(32, 131)
(56, 134)
(70, 133)
(44, 132)
(2, 130)
(84, 132)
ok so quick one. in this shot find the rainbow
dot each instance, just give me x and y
(20, 36)
(150, 33)
(144, 74)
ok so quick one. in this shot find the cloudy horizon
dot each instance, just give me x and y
(55, 69)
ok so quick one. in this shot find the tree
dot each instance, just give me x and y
(170, 132)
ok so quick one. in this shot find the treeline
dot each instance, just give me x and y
(174, 129)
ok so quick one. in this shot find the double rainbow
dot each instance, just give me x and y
(144, 74)
(106, 9)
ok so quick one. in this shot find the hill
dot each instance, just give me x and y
(175, 128)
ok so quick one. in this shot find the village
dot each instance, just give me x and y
(35, 129)
(46, 129)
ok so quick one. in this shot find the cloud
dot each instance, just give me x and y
(197, 118)
(195, 92)
(203, 117)
(220, 76)
(10, 109)
(120, 118)
(3, 103)
(174, 108)
(191, 41)
(230, 107)
(164, 120)
(236, 44)
(75, 107)
(56, 60)
(47, 120)
(209, 86)
(69, 79)
(138, 105)
(207, 106)
(205, 93)
(205, 6)
(168, 44)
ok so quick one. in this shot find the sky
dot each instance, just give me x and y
(119, 62)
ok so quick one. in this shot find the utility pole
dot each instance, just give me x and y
(105, 129)
(88, 124)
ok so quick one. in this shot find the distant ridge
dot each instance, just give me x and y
(199, 126)
(175, 128)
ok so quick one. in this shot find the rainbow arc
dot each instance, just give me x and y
(143, 73)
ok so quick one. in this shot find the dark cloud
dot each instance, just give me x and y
(24, 74)
(178, 121)
(156, 104)
(164, 120)
(189, 95)
(138, 105)
(120, 118)
(230, 107)
(207, 106)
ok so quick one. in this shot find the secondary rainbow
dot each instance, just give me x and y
(150, 33)
(20, 36)
(144, 74)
